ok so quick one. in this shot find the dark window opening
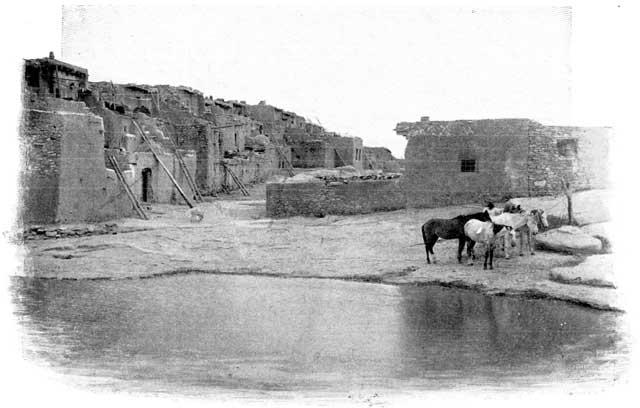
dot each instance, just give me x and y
(567, 147)
(467, 166)
(32, 75)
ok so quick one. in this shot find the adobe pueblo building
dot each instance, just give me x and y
(470, 161)
(93, 151)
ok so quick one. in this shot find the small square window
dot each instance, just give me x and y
(567, 147)
(467, 166)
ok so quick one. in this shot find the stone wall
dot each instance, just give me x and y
(312, 154)
(161, 185)
(434, 175)
(318, 199)
(255, 168)
(576, 155)
(511, 157)
(379, 158)
(64, 178)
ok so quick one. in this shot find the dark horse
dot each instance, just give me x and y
(448, 229)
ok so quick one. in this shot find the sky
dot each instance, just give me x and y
(356, 70)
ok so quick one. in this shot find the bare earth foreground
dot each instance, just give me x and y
(235, 237)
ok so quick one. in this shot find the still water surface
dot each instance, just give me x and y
(197, 333)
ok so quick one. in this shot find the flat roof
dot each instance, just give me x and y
(57, 63)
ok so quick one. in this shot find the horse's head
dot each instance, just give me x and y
(541, 218)
(532, 222)
(507, 231)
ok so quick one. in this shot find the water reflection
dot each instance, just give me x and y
(505, 337)
(239, 331)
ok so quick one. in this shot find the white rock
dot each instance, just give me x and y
(303, 178)
(568, 239)
(598, 230)
(596, 270)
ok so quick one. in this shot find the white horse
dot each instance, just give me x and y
(525, 224)
(486, 233)
(535, 219)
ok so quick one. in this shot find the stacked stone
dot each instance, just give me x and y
(40, 232)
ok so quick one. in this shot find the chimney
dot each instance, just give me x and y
(51, 56)
(424, 119)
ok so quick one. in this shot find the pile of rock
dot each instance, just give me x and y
(53, 232)
(339, 175)
(345, 180)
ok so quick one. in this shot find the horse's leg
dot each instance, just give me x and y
(532, 244)
(521, 236)
(461, 242)
(434, 239)
(505, 242)
(431, 239)
(486, 257)
(426, 241)
(470, 255)
(491, 248)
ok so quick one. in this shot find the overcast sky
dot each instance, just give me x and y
(356, 70)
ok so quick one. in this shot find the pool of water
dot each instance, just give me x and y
(197, 333)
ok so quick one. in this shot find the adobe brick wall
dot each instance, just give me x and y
(64, 178)
(585, 168)
(311, 154)
(433, 177)
(41, 133)
(514, 157)
(355, 197)
(163, 189)
(254, 169)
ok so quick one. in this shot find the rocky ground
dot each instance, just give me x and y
(235, 237)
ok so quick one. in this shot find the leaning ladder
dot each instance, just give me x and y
(127, 189)
(241, 186)
(187, 176)
(286, 162)
(155, 154)
(371, 166)
(344, 163)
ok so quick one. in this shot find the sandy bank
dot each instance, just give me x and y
(234, 237)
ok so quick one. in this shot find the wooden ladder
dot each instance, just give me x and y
(286, 161)
(188, 177)
(235, 178)
(155, 154)
(369, 161)
(187, 173)
(127, 189)
(344, 163)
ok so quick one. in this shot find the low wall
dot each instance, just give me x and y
(355, 197)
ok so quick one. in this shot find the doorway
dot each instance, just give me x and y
(147, 192)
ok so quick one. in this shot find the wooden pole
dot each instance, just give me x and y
(173, 180)
(568, 192)
(127, 189)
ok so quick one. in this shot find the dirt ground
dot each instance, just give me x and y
(235, 237)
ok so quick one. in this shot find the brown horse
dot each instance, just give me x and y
(448, 229)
